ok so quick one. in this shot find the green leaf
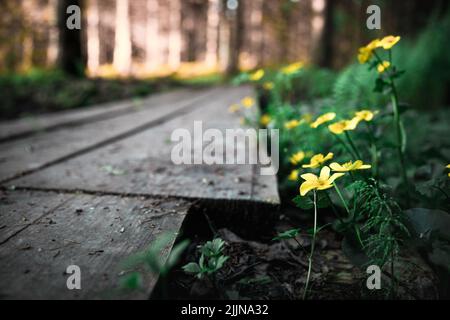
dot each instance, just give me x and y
(304, 203)
(175, 255)
(290, 234)
(221, 261)
(192, 267)
(131, 281)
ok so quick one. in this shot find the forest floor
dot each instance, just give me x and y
(262, 269)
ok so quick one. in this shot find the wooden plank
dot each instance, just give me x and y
(96, 233)
(29, 125)
(26, 155)
(141, 164)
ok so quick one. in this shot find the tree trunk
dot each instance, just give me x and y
(122, 47)
(93, 38)
(212, 38)
(175, 35)
(235, 30)
(70, 58)
(322, 29)
(152, 55)
(52, 49)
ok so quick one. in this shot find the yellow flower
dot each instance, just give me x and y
(344, 125)
(318, 160)
(366, 53)
(297, 158)
(322, 119)
(365, 115)
(258, 75)
(248, 102)
(292, 124)
(265, 120)
(448, 167)
(388, 42)
(234, 108)
(242, 121)
(349, 166)
(322, 182)
(382, 67)
(293, 176)
(268, 85)
(292, 68)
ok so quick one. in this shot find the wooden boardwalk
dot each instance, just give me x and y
(92, 187)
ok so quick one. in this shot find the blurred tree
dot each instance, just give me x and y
(122, 46)
(153, 52)
(324, 18)
(212, 38)
(70, 59)
(93, 37)
(232, 13)
(175, 34)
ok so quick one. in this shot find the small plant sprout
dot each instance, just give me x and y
(211, 260)
(154, 261)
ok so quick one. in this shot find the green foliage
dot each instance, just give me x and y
(289, 234)
(383, 229)
(153, 260)
(211, 259)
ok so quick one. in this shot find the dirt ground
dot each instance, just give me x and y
(264, 269)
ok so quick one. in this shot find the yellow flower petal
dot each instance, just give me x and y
(248, 102)
(329, 156)
(292, 124)
(297, 158)
(294, 175)
(325, 186)
(324, 173)
(335, 176)
(323, 119)
(265, 120)
(382, 67)
(306, 187)
(388, 42)
(365, 115)
(337, 127)
(337, 167)
(309, 177)
(257, 75)
(292, 68)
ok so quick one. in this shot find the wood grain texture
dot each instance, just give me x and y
(29, 154)
(142, 165)
(96, 233)
(93, 193)
(33, 124)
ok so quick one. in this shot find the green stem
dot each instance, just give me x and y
(358, 235)
(342, 198)
(349, 150)
(399, 136)
(350, 141)
(313, 245)
(373, 151)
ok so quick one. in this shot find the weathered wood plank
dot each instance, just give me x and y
(96, 233)
(141, 164)
(29, 125)
(29, 154)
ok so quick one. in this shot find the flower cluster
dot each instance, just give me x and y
(367, 52)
